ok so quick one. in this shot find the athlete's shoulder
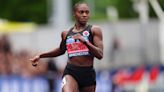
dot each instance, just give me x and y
(96, 29)
(64, 33)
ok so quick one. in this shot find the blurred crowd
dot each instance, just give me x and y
(17, 64)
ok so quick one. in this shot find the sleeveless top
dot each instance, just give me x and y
(76, 47)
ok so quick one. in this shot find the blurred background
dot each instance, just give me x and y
(133, 32)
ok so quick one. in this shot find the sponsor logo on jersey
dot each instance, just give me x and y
(79, 54)
(76, 47)
(70, 40)
(86, 33)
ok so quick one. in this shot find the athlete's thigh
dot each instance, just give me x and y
(69, 84)
(88, 89)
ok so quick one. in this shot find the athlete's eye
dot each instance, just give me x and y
(87, 12)
(82, 12)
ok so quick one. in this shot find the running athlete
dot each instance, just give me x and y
(82, 42)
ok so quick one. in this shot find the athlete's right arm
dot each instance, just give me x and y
(57, 51)
(54, 53)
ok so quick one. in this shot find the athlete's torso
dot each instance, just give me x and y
(78, 52)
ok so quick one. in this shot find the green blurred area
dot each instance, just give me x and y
(24, 10)
(36, 10)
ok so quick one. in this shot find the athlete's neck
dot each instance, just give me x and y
(80, 26)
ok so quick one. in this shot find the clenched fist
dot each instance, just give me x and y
(35, 60)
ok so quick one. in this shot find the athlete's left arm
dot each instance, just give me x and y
(97, 47)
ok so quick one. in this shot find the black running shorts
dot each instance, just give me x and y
(85, 76)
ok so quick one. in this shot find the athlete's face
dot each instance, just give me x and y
(82, 13)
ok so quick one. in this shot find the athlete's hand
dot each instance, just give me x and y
(79, 37)
(35, 60)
